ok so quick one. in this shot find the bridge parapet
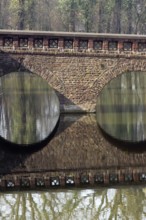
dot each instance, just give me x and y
(72, 42)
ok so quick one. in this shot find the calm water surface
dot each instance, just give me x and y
(90, 204)
(121, 107)
(29, 108)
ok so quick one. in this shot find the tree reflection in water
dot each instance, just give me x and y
(29, 108)
(121, 107)
(121, 203)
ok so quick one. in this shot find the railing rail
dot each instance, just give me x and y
(77, 41)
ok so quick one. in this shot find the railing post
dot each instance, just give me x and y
(134, 46)
(76, 44)
(90, 44)
(120, 45)
(105, 45)
(15, 42)
(1, 42)
(45, 43)
(60, 43)
(30, 42)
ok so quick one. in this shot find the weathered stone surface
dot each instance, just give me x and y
(77, 150)
(78, 78)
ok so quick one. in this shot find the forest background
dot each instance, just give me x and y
(102, 16)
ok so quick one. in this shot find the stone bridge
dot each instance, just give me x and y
(76, 65)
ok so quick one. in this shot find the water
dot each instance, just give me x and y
(29, 108)
(121, 107)
(91, 204)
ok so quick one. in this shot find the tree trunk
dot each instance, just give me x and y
(32, 15)
(129, 15)
(21, 15)
(72, 16)
(100, 19)
(117, 17)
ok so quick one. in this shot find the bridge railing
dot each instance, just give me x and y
(67, 41)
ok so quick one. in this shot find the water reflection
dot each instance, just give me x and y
(121, 107)
(77, 146)
(121, 203)
(29, 108)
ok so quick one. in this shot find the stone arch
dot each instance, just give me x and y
(78, 79)
(119, 67)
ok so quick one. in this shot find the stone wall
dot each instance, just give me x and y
(77, 78)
